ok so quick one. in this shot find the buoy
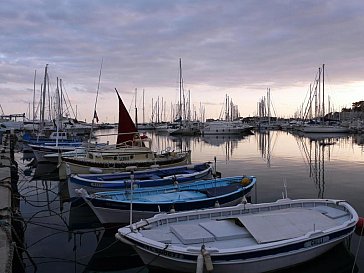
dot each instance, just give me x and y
(199, 265)
(245, 181)
(360, 226)
(172, 210)
(360, 223)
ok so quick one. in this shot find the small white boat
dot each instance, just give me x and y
(221, 127)
(42, 150)
(245, 238)
(322, 128)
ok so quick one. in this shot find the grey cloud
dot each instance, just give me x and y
(224, 44)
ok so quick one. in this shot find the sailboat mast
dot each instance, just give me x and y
(319, 94)
(268, 104)
(143, 108)
(94, 113)
(61, 104)
(35, 76)
(44, 95)
(136, 110)
(180, 89)
(323, 92)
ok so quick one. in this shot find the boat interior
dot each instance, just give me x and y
(245, 227)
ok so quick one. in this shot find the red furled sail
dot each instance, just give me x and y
(126, 124)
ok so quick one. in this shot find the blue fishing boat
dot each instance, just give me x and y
(131, 205)
(56, 141)
(154, 177)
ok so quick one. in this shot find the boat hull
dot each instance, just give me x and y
(324, 129)
(145, 178)
(246, 238)
(256, 265)
(114, 207)
(40, 152)
(108, 216)
(83, 166)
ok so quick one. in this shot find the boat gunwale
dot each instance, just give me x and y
(84, 177)
(207, 202)
(136, 236)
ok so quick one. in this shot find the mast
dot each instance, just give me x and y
(319, 93)
(268, 105)
(180, 89)
(94, 113)
(61, 98)
(136, 110)
(58, 110)
(323, 92)
(35, 76)
(44, 96)
(143, 108)
(189, 106)
(153, 112)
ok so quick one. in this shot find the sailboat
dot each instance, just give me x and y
(58, 141)
(185, 125)
(322, 126)
(131, 150)
(230, 125)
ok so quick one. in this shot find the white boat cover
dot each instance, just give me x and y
(284, 224)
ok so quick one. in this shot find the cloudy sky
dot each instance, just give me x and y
(236, 48)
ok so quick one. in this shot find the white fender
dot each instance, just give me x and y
(199, 265)
(207, 260)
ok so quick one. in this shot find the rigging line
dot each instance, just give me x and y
(45, 237)
(97, 95)
(55, 259)
(38, 224)
(156, 257)
(105, 248)
(64, 98)
(357, 250)
(35, 189)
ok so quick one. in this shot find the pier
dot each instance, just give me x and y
(8, 182)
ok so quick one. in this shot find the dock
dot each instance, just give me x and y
(7, 245)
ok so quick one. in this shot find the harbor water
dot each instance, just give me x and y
(61, 238)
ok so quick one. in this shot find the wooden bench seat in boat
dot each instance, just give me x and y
(225, 230)
(285, 224)
(209, 231)
(331, 212)
(157, 235)
(191, 234)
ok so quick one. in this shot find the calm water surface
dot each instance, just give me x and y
(60, 239)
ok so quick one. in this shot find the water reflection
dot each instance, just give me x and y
(265, 138)
(316, 148)
(108, 254)
(62, 236)
(112, 255)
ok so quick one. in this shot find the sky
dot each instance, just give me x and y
(235, 48)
